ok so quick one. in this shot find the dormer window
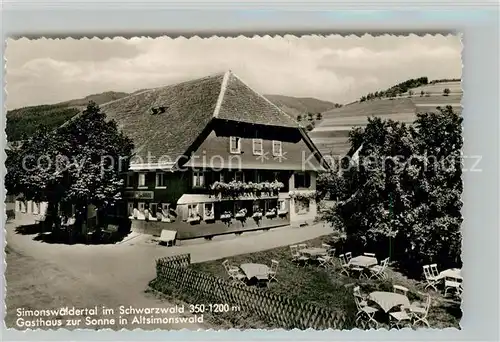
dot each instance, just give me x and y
(277, 148)
(257, 147)
(235, 145)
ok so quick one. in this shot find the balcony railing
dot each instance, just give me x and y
(236, 189)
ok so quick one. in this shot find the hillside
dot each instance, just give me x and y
(295, 106)
(331, 134)
(97, 98)
(24, 121)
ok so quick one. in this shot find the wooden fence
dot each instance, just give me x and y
(173, 273)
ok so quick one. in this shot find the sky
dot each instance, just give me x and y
(333, 68)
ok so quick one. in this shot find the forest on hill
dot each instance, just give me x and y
(23, 122)
(404, 87)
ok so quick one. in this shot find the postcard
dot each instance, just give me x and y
(244, 182)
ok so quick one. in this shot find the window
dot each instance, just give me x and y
(153, 208)
(282, 205)
(276, 176)
(256, 206)
(277, 150)
(258, 177)
(234, 144)
(130, 209)
(193, 211)
(142, 180)
(302, 180)
(140, 214)
(198, 179)
(257, 146)
(35, 208)
(209, 211)
(161, 180)
(129, 180)
(239, 176)
(165, 207)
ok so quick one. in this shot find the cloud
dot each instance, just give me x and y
(334, 68)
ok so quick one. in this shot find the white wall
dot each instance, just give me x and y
(306, 217)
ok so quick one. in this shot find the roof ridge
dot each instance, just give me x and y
(223, 88)
(164, 86)
(267, 100)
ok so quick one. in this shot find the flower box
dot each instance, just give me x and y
(194, 219)
(225, 216)
(238, 189)
(271, 214)
(257, 215)
(282, 213)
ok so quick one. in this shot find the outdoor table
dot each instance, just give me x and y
(363, 261)
(258, 271)
(314, 251)
(388, 300)
(452, 273)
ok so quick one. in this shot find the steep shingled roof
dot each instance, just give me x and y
(189, 107)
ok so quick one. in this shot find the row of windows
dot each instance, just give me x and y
(161, 180)
(302, 180)
(257, 146)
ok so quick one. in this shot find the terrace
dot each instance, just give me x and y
(319, 285)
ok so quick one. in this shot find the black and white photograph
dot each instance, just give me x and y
(249, 182)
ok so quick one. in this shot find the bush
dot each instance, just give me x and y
(407, 207)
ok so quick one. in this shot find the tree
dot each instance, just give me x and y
(319, 116)
(446, 91)
(310, 126)
(299, 118)
(404, 197)
(310, 116)
(422, 93)
(410, 93)
(76, 164)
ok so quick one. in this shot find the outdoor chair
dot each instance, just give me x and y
(378, 271)
(369, 255)
(230, 269)
(325, 260)
(273, 270)
(364, 310)
(297, 256)
(400, 289)
(302, 246)
(344, 265)
(399, 319)
(238, 277)
(419, 311)
(451, 283)
(348, 256)
(434, 270)
(329, 249)
(431, 280)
